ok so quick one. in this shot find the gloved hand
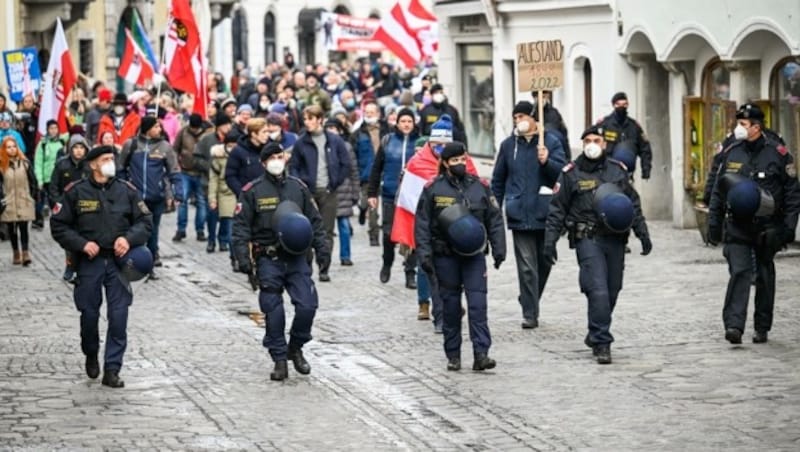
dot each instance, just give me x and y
(647, 246)
(426, 263)
(549, 254)
(245, 267)
(714, 235)
(498, 260)
(771, 240)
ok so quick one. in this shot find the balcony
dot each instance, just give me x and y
(40, 15)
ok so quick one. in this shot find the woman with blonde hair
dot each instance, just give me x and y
(19, 188)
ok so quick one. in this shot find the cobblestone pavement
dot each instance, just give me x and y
(197, 375)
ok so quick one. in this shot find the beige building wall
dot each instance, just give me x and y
(92, 27)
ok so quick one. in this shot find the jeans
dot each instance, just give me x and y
(343, 223)
(157, 209)
(192, 184)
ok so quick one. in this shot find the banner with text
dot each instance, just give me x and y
(540, 65)
(22, 72)
(349, 34)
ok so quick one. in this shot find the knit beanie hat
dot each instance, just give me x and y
(442, 129)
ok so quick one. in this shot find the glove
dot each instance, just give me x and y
(647, 246)
(498, 260)
(245, 267)
(771, 240)
(427, 265)
(714, 235)
(549, 254)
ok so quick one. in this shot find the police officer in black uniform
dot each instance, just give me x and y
(454, 214)
(619, 127)
(278, 265)
(100, 218)
(598, 226)
(761, 231)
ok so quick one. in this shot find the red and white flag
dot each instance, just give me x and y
(408, 32)
(184, 63)
(135, 67)
(421, 169)
(58, 82)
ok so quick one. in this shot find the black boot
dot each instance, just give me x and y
(411, 280)
(112, 380)
(733, 335)
(281, 371)
(386, 273)
(300, 363)
(454, 364)
(92, 366)
(603, 353)
(760, 337)
(483, 362)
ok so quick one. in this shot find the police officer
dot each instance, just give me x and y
(619, 127)
(757, 219)
(279, 265)
(596, 203)
(454, 214)
(100, 218)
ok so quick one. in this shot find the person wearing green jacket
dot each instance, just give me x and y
(48, 150)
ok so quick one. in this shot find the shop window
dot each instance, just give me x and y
(477, 108)
(707, 121)
(785, 102)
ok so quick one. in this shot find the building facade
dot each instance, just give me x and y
(685, 66)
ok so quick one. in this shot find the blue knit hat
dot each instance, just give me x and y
(442, 130)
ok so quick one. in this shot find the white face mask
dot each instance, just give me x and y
(119, 110)
(740, 132)
(592, 151)
(371, 121)
(274, 135)
(275, 167)
(108, 169)
(264, 105)
(523, 127)
(438, 98)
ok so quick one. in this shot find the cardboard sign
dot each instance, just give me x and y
(540, 65)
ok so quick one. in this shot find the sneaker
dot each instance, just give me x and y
(180, 235)
(347, 263)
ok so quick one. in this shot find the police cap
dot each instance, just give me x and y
(270, 149)
(750, 111)
(136, 263)
(594, 129)
(453, 149)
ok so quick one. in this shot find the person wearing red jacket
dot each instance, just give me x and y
(123, 123)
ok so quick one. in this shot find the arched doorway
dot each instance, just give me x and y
(239, 32)
(785, 102)
(270, 46)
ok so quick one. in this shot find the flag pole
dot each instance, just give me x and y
(161, 67)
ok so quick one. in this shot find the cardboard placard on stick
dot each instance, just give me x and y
(540, 67)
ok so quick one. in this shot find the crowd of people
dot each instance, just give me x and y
(331, 143)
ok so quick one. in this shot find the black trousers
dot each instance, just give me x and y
(741, 268)
(532, 270)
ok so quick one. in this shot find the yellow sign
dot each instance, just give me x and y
(540, 65)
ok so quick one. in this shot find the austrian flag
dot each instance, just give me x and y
(135, 67)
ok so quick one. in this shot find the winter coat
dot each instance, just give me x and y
(47, 153)
(348, 193)
(305, 159)
(128, 129)
(244, 164)
(218, 189)
(19, 192)
(171, 124)
(522, 183)
(362, 144)
(390, 162)
(149, 166)
(185, 145)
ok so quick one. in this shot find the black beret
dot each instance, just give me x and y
(270, 149)
(592, 130)
(453, 149)
(750, 111)
(618, 96)
(148, 122)
(97, 151)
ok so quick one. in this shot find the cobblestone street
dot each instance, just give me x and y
(197, 376)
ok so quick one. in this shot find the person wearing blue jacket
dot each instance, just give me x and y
(244, 163)
(285, 138)
(524, 175)
(6, 119)
(148, 161)
(395, 151)
(320, 159)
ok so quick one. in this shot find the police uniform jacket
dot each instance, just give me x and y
(772, 167)
(615, 132)
(573, 202)
(444, 191)
(100, 213)
(256, 206)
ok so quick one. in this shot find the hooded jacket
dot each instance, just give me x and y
(244, 164)
(147, 163)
